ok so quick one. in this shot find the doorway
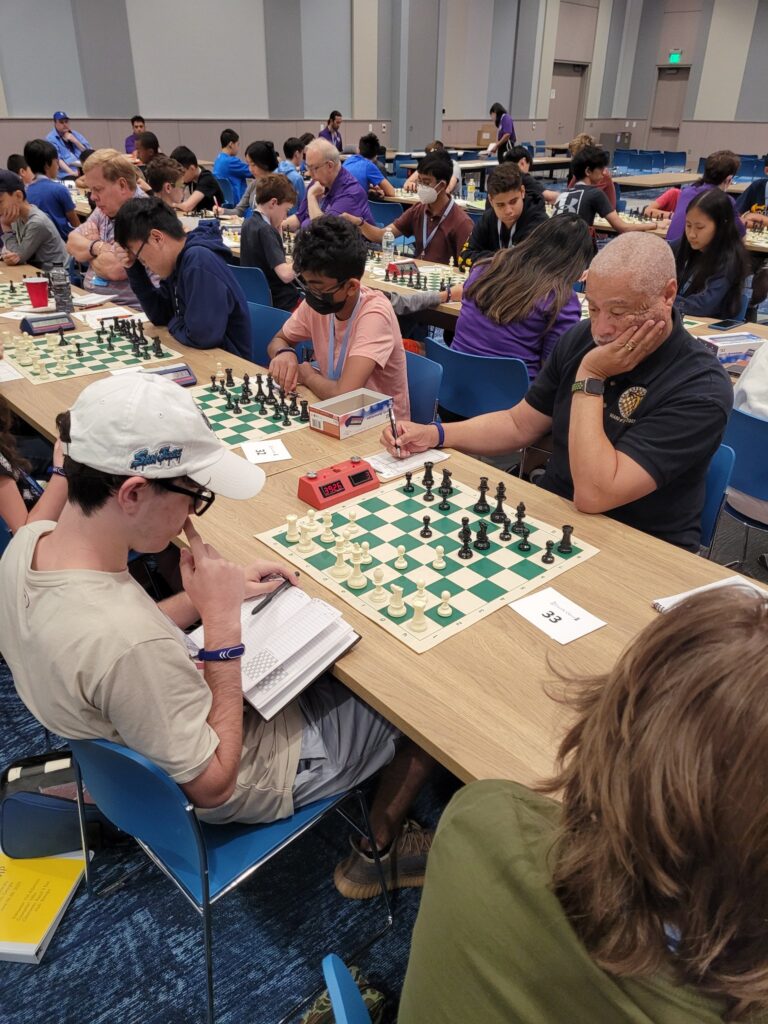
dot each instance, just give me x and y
(668, 104)
(566, 102)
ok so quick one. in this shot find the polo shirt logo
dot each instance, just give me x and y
(629, 401)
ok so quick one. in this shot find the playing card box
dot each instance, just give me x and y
(345, 415)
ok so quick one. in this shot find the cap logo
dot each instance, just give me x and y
(164, 454)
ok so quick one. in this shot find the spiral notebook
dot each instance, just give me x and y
(287, 646)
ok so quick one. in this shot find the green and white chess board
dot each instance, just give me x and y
(249, 424)
(388, 519)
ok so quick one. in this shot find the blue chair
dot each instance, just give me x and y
(657, 160)
(675, 161)
(226, 188)
(621, 160)
(718, 478)
(750, 168)
(5, 535)
(473, 385)
(385, 213)
(253, 281)
(747, 435)
(266, 321)
(397, 164)
(424, 378)
(203, 861)
(346, 1002)
(745, 300)
(702, 164)
(540, 146)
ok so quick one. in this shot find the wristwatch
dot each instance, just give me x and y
(590, 386)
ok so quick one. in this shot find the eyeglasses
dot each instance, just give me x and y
(313, 170)
(137, 255)
(202, 497)
(319, 295)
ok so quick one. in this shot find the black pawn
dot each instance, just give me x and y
(78, 350)
(499, 515)
(409, 488)
(425, 530)
(445, 505)
(246, 380)
(464, 528)
(428, 480)
(110, 346)
(214, 385)
(62, 339)
(481, 506)
(506, 533)
(386, 274)
(262, 407)
(466, 551)
(548, 558)
(304, 417)
(277, 413)
(229, 401)
(565, 547)
(481, 540)
(524, 545)
(236, 407)
(157, 348)
(519, 517)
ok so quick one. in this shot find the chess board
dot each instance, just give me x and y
(95, 358)
(389, 518)
(432, 274)
(248, 425)
(20, 296)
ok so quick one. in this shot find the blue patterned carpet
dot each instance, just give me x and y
(136, 956)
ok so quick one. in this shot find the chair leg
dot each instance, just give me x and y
(83, 832)
(208, 942)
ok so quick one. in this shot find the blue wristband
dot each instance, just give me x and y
(223, 653)
(56, 471)
(440, 433)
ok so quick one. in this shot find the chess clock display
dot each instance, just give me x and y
(179, 373)
(324, 487)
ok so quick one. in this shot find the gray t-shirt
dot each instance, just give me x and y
(36, 240)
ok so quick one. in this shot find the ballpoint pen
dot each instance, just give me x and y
(271, 596)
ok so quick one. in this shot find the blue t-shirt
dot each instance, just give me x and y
(234, 170)
(53, 199)
(365, 170)
(293, 174)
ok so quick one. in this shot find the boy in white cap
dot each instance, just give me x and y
(93, 656)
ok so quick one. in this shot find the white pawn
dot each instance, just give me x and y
(401, 562)
(357, 580)
(444, 609)
(309, 521)
(354, 529)
(305, 544)
(292, 533)
(419, 621)
(327, 536)
(340, 570)
(378, 594)
(420, 596)
(367, 556)
(396, 607)
(439, 562)
(346, 534)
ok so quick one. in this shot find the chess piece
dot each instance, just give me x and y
(304, 416)
(548, 558)
(260, 393)
(214, 387)
(466, 551)
(305, 544)
(230, 381)
(229, 404)
(286, 417)
(428, 495)
(378, 595)
(78, 350)
(446, 484)
(409, 488)
(506, 533)
(340, 570)
(292, 533)
(236, 407)
(481, 540)
(445, 505)
(499, 515)
(354, 529)
(418, 623)
(523, 544)
(428, 480)
(444, 609)
(396, 606)
(357, 580)
(327, 536)
(439, 562)
(366, 553)
(294, 406)
(481, 506)
(464, 527)
(519, 517)
(565, 547)
(401, 561)
(425, 530)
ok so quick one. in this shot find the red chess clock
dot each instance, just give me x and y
(324, 487)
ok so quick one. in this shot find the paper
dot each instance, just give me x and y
(92, 299)
(8, 372)
(265, 451)
(388, 467)
(94, 317)
(555, 615)
(13, 314)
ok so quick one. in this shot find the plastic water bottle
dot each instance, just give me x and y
(62, 290)
(471, 190)
(388, 246)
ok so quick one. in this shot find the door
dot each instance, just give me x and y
(667, 113)
(565, 102)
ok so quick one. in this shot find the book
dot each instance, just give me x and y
(287, 646)
(34, 893)
(663, 604)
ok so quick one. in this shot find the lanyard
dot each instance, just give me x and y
(335, 368)
(425, 241)
(511, 234)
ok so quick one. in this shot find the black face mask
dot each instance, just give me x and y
(322, 305)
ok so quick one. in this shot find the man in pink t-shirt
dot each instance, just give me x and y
(353, 329)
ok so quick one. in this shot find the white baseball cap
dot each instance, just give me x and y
(140, 424)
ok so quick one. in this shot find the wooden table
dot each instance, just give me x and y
(466, 167)
(667, 179)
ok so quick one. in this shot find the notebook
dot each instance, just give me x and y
(287, 646)
(34, 893)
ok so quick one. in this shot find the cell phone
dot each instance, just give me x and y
(726, 325)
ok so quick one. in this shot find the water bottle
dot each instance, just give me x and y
(388, 246)
(62, 290)
(471, 190)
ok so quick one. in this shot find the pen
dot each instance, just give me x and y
(393, 424)
(271, 596)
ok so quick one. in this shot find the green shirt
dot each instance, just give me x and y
(492, 944)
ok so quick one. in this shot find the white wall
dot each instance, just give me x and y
(326, 43)
(469, 31)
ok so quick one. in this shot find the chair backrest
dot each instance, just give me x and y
(675, 161)
(399, 160)
(253, 281)
(226, 187)
(346, 1002)
(385, 213)
(139, 798)
(718, 478)
(5, 535)
(473, 385)
(746, 298)
(748, 436)
(621, 160)
(424, 379)
(266, 321)
(702, 165)
(641, 163)
(751, 167)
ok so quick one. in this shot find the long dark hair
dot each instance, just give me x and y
(725, 254)
(498, 112)
(547, 263)
(7, 443)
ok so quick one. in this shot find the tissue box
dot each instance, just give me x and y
(350, 414)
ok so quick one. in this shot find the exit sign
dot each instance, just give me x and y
(674, 56)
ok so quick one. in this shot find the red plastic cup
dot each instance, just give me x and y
(38, 291)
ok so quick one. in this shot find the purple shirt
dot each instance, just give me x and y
(346, 195)
(130, 144)
(530, 339)
(676, 227)
(506, 127)
(333, 137)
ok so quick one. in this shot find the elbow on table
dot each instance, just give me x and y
(591, 500)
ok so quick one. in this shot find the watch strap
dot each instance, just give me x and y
(588, 386)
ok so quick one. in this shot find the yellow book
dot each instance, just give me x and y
(34, 893)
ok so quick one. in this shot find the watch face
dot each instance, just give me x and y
(592, 386)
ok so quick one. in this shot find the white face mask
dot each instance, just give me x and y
(426, 194)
